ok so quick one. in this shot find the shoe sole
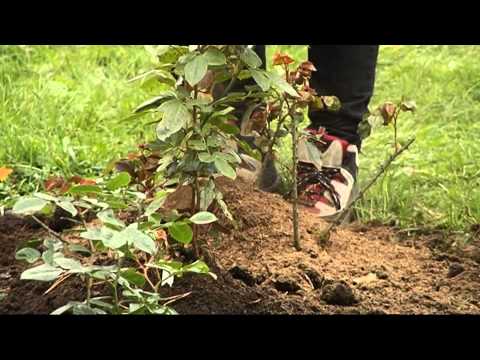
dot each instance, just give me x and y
(347, 217)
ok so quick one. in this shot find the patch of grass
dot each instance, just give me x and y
(60, 108)
(436, 182)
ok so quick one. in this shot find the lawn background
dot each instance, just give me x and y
(60, 108)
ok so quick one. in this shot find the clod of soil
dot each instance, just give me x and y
(288, 285)
(242, 274)
(338, 294)
(314, 276)
(382, 275)
(455, 269)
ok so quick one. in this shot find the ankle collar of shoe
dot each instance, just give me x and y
(322, 133)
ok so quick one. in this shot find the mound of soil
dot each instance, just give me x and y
(359, 270)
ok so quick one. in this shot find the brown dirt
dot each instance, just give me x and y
(359, 270)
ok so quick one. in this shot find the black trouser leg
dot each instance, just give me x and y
(347, 72)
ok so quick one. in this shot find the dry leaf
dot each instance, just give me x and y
(5, 173)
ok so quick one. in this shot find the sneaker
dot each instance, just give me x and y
(263, 173)
(327, 173)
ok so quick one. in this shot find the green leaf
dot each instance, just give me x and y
(43, 272)
(107, 217)
(226, 111)
(199, 267)
(63, 309)
(231, 157)
(167, 278)
(98, 234)
(262, 79)
(82, 309)
(167, 54)
(203, 218)
(244, 75)
(224, 168)
(53, 243)
(28, 254)
(214, 140)
(68, 264)
(45, 197)
(251, 59)
(29, 206)
(155, 77)
(136, 309)
(114, 202)
(207, 195)
(221, 122)
(118, 240)
(196, 70)
(175, 116)
(68, 207)
(156, 204)
(47, 256)
(205, 157)
(85, 189)
(79, 249)
(98, 302)
(133, 277)
(140, 240)
(181, 232)
(215, 57)
(198, 145)
(153, 103)
(121, 180)
(224, 208)
(279, 82)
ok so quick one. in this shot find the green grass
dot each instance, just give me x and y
(60, 108)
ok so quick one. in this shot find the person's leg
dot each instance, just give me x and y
(327, 187)
(261, 51)
(347, 72)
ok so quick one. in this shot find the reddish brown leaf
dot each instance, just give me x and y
(282, 59)
(388, 110)
(78, 180)
(54, 183)
(308, 66)
(207, 81)
(87, 182)
(133, 156)
(161, 235)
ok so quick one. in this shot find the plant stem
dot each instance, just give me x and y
(196, 196)
(50, 231)
(296, 236)
(395, 130)
(381, 170)
(196, 187)
(277, 132)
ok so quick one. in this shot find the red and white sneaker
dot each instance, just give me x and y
(327, 173)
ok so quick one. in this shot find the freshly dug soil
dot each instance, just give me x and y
(362, 269)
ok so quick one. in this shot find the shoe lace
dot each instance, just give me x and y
(312, 176)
